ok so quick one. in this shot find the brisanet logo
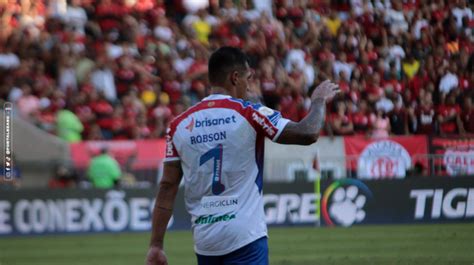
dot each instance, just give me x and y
(457, 203)
(209, 122)
(343, 202)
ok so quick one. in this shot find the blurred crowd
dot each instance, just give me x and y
(122, 69)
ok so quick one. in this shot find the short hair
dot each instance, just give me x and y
(225, 60)
(104, 150)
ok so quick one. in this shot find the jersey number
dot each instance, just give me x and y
(215, 154)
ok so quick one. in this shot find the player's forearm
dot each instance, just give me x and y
(314, 121)
(307, 130)
(162, 212)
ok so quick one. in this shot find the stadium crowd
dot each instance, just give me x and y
(113, 69)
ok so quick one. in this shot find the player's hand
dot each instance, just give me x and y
(156, 256)
(326, 90)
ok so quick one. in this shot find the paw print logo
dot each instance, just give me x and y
(344, 201)
(347, 206)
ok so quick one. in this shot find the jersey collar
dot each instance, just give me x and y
(216, 96)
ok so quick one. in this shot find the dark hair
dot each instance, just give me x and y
(223, 61)
(104, 150)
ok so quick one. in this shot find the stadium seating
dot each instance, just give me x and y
(126, 68)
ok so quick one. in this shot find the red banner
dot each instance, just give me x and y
(385, 158)
(141, 154)
(454, 155)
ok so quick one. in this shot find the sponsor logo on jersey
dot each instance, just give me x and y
(219, 203)
(261, 121)
(210, 122)
(208, 138)
(169, 145)
(266, 111)
(190, 126)
(211, 219)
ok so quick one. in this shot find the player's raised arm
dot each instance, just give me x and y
(307, 130)
(172, 174)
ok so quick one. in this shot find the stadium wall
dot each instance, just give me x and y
(35, 152)
(343, 202)
(283, 161)
(338, 157)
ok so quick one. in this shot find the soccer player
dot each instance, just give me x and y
(217, 147)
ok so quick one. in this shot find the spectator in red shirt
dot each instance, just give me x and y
(125, 76)
(99, 105)
(449, 116)
(296, 79)
(117, 125)
(109, 14)
(171, 86)
(343, 83)
(141, 129)
(373, 89)
(398, 118)
(35, 43)
(418, 82)
(95, 133)
(391, 84)
(341, 121)
(269, 86)
(467, 115)
(380, 124)
(160, 116)
(291, 105)
(422, 117)
(361, 118)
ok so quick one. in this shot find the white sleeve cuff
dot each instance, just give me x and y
(169, 159)
(280, 127)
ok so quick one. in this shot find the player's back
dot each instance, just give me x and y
(220, 144)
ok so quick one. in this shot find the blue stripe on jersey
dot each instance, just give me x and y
(245, 103)
(274, 117)
(259, 145)
(259, 155)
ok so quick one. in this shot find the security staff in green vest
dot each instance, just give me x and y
(104, 171)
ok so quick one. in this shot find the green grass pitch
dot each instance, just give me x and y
(408, 244)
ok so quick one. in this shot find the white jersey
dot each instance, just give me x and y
(220, 142)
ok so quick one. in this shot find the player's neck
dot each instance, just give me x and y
(219, 90)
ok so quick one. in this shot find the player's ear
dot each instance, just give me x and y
(234, 78)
